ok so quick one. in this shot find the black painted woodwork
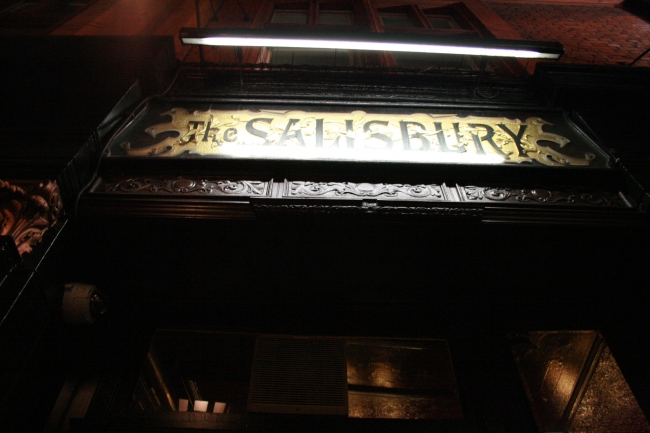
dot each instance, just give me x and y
(466, 281)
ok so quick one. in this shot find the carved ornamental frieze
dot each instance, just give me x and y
(183, 186)
(28, 211)
(240, 142)
(220, 198)
(362, 190)
(542, 196)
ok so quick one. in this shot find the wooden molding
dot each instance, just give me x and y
(566, 2)
(199, 197)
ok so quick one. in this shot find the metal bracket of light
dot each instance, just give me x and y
(299, 38)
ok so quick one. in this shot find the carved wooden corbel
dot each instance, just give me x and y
(27, 211)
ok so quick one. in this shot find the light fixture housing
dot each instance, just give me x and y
(347, 40)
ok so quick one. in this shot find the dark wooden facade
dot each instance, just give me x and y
(548, 250)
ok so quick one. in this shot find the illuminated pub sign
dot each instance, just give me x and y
(358, 136)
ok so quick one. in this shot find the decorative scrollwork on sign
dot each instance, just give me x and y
(359, 136)
(342, 189)
(572, 197)
(28, 211)
(184, 186)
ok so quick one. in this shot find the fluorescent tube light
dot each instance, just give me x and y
(290, 38)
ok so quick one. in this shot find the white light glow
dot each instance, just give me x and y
(328, 153)
(237, 41)
(200, 406)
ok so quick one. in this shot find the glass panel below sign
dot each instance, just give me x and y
(402, 379)
(237, 373)
(574, 383)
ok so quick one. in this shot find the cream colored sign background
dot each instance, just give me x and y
(358, 135)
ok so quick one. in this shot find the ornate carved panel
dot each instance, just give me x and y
(183, 186)
(363, 190)
(542, 196)
(213, 198)
(28, 211)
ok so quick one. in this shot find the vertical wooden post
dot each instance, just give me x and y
(198, 26)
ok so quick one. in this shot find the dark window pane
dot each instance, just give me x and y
(442, 22)
(289, 17)
(196, 372)
(434, 61)
(574, 372)
(17, 6)
(233, 373)
(318, 57)
(339, 18)
(402, 379)
(396, 20)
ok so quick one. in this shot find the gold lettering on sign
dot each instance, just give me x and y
(358, 136)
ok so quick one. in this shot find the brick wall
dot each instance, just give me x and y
(591, 34)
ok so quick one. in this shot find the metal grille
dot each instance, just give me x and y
(299, 375)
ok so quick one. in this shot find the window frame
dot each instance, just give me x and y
(313, 9)
(361, 20)
(468, 26)
(367, 18)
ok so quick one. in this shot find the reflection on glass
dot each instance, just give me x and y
(406, 379)
(210, 372)
(197, 370)
(608, 403)
(574, 384)
(396, 19)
